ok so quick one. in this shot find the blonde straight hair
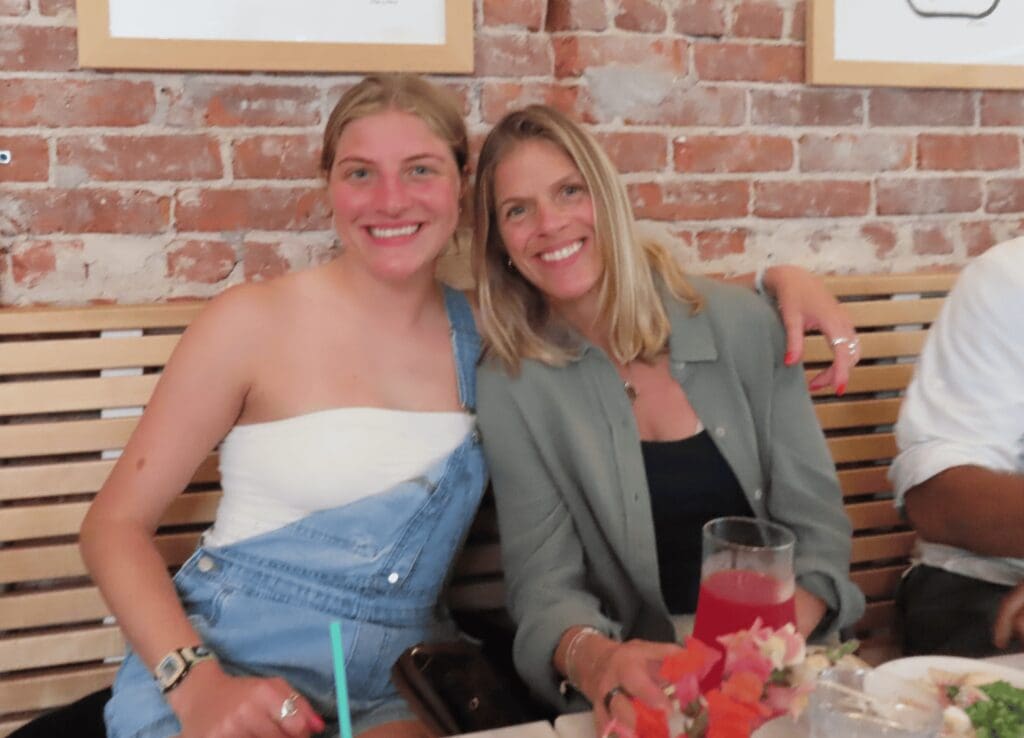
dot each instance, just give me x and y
(515, 314)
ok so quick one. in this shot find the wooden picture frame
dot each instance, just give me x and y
(98, 48)
(825, 23)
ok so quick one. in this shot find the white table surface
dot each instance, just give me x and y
(581, 724)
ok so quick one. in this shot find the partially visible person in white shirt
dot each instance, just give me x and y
(959, 475)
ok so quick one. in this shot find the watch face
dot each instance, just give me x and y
(170, 668)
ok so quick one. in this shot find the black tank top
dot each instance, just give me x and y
(690, 483)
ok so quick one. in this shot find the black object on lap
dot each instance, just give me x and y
(82, 719)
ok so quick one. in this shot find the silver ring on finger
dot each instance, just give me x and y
(839, 341)
(288, 707)
(611, 694)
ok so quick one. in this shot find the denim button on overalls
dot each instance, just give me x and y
(264, 604)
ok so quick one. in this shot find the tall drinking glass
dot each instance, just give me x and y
(746, 573)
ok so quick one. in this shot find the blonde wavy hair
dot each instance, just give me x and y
(514, 314)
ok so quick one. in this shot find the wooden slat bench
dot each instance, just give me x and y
(73, 381)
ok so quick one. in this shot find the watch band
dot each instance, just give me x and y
(173, 667)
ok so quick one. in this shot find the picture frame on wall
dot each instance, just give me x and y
(916, 43)
(271, 35)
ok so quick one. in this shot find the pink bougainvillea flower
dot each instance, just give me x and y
(650, 721)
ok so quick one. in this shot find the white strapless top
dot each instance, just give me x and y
(277, 472)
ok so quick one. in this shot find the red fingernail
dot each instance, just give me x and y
(840, 390)
(790, 358)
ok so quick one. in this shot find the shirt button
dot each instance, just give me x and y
(205, 564)
(393, 577)
(758, 494)
(720, 432)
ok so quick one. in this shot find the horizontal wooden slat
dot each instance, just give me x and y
(475, 596)
(874, 313)
(76, 436)
(867, 447)
(7, 727)
(881, 345)
(81, 354)
(846, 285)
(43, 691)
(56, 562)
(882, 547)
(48, 521)
(857, 413)
(69, 395)
(479, 560)
(884, 378)
(53, 607)
(878, 583)
(74, 477)
(871, 480)
(36, 320)
(65, 647)
(877, 615)
(875, 514)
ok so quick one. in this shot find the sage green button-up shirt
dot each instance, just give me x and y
(574, 509)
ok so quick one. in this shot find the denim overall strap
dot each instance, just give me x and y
(465, 343)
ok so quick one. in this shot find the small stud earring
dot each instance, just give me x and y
(509, 265)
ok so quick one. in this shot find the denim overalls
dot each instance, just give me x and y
(378, 565)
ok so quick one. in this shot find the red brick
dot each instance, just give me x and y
(30, 159)
(738, 153)
(758, 19)
(645, 16)
(807, 107)
(900, 107)
(32, 262)
(131, 158)
(696, 106)
(749, 62)
(798, 22)
(700, 17)
(977, 237)
(499, 98)
(576, 15)
(716, 244)
(13, 7)
(905, 196)
(932, 240)
(576, 54)
(63, 102)
(693, 200)
(251, 104)
(811, 199)
(277, 157)
(84, 211)
(207, 262)
(528, 14)
(263, 208)
(1005, 196)
(880, 235)
(1003, 108)
(513, 55)
(56, 7)
(37, 49)
(960, 152)
(855, 152)
(635, 151)
(263, 261)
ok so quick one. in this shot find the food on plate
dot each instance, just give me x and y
(979, 705)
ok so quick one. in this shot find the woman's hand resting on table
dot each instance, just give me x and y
(212, 704)
(632, 666)
(805, 304)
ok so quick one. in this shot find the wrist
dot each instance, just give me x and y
(201, 680)
(593, 663)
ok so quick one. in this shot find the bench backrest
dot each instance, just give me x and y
(73, 381)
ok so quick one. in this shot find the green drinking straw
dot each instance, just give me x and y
(340, 685)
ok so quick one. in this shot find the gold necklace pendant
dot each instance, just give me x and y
(630, 390)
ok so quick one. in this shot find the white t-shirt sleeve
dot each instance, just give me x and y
(965, 404)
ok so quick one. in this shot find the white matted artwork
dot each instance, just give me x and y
(297, 35)
(916, 43)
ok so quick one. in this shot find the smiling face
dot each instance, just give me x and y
(545, 216)
(395, 187)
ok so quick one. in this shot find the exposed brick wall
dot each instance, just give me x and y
(131, 186)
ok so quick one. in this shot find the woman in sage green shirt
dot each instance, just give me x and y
(617, 399)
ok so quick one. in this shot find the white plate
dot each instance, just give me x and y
(916, 667)
(780, 727)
